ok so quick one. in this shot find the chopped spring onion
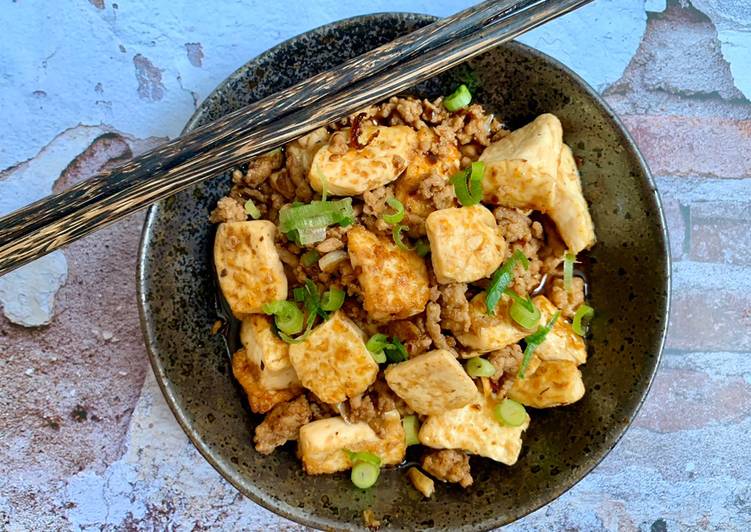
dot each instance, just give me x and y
(376, 345)
(307, 223)
(364, 475)
(422, 248)
(468, 184)
(534, 340)
(501, 279)
(510, 413)
(299, 294)
(332, 300)
(396, 232)
(522, 310)
(309, 258)
(288, 318)
(398, 214)
(584, 312)
(331, 260)
(479, 367)
(411, 428)
(364, 456)
(395, 351)
(568, 270)
(251, 210)
(309, 235)
(458, 99)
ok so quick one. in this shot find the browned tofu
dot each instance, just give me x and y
(561, 343)
(555, 383)
(488, 333)
(394, 282)
(570, 211)
(422, 167)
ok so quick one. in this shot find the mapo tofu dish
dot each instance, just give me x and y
(405, 277)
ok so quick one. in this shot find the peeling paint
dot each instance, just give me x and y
(195, 53)
(149, 79)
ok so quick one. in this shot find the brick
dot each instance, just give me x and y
(675, 216)
(692, 146)
(721, 232)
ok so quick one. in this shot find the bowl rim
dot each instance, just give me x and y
(310, 519)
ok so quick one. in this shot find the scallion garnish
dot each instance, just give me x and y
(306, 224)
(364, 456)
(501, 279)
(288, 318)
(479, 367)
(332, 300)
(534, 340)
(468, 184)
(298, 294)
(251, 210)
(522, 310)
(398, 214)
(584, 312)
(366, 467)
(396, 232)
(568, 270)
(458, 99)
(382, 349)
(395, 351)
(510, 413)
(411, 427)
(310, 257)
(422, 248)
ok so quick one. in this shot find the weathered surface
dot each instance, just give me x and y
(86, 440)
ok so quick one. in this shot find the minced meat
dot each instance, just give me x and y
(282, 424)
(448, 465)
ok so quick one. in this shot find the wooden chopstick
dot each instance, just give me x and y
(154, 163)
(245, 144)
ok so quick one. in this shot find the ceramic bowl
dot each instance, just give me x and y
(628, 271)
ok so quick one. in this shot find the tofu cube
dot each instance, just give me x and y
(465, 244)
(323, 444)
(264, 389)
(475, 430)
(570, 211)
(488, 333)
(394, 281)
(521, 168)
(388, 152)
(432, 383)
(333, 361)
(555, 383)
(248, 265)
(561, 343)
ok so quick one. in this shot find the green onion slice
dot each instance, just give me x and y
(376, 345)
(332, 300)
(458, 99)
(251, 210)
(501, 279)
(364, 475)
(309, 258)
(288, 318)
(510, 413)
(568, 270)
(315, 215)
(534, 340)
(298, 294)
(479, 367)
(396, 232)
(364, 456)
(395, 351)
(398, 214)
(584, 312)
(468, 184)
(422, 248)
(522, 310)
(411, 427)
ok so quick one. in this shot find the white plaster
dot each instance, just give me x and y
(655, 6)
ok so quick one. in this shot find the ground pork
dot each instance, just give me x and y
(411, 333)
(282, 424)
(506, 362)
(228, 210)
(567, 301)
(455, 307)
(374, 403)
(319, 409)
(448, 465)
(433, 325)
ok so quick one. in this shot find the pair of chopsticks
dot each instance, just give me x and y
(60, 219)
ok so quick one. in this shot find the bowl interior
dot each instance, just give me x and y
(629, 290)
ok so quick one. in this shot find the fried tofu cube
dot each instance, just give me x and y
(432, 382)
(488, 333)
(333, 361)
(264, 388)
(474, 429)
(555, 383)
(570, 211)
(323, 444)
(465, 244)
(561, 343)
(521, 168)
(394, 281)
(388, 152)
(248, 265)
(425, 166)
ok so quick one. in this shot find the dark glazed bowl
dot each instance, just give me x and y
(629, 277)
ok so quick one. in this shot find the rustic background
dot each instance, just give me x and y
(86, 440)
